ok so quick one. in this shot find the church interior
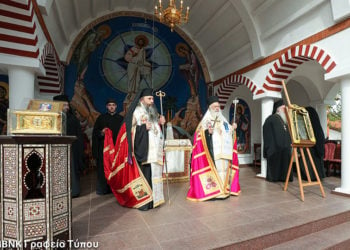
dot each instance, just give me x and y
(248, 53)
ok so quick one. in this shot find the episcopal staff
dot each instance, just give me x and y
(161, 95)
(214, 162)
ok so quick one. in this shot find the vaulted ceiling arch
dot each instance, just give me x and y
(290, 60)
(101, 19)
(230, 83)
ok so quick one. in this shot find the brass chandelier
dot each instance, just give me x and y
(171, 15)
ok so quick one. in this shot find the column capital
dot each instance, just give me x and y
(31, 64)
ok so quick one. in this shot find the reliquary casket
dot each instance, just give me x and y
(40, 117)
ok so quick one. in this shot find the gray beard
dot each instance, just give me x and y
(152, 113)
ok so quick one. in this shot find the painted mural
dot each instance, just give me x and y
(242, 120)
(117, 57)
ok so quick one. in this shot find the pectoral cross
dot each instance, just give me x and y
(285, 127)
(216, 120)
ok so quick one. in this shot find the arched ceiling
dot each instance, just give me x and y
(231, 34)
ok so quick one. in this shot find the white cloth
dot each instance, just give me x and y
(175, 161)
(175, 151)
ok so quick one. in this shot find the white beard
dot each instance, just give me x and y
(216, 114)
(282, 114)
(210, 116)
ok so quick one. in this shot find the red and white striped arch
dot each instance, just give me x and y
(52, 83)
(230, 83)
(290, 60)
(19, 32)
(18, 36)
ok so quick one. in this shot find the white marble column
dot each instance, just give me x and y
(21, 87)
(266, 110)
(341, 75)
(322, 114)
(345, 135)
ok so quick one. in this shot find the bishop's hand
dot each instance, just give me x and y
(148, 125)
(234, 125)
(162, 120)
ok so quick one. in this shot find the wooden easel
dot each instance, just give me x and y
(295, 156)
(301, 183)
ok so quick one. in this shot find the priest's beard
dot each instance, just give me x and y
(282, 114)
(152, 113)
(216, 114)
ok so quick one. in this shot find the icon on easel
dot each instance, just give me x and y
(303, 137)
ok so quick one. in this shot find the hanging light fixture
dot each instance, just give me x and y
(171, 15)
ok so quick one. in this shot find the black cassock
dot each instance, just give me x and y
(113, 122)
(77, 160)
(317, 151)
(277, 148)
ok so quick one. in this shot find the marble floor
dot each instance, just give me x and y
(262, 208)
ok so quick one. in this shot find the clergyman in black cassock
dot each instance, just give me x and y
(317, 151)
(142, 117)
(110, 120)
(73, 128)
(277, 144)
